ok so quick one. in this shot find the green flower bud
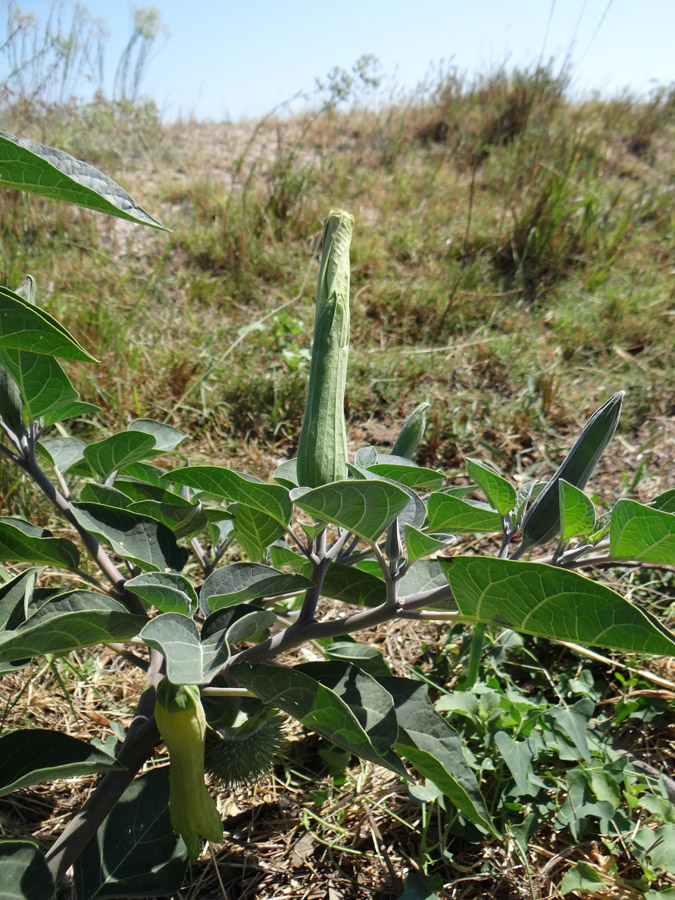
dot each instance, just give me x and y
(322, 450)
(181, 722)
(412, 432)
(542, 521)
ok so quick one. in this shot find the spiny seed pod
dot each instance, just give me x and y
(243, 753)
(322, 450)
(412, 432)
(182, 725)
(542, 521)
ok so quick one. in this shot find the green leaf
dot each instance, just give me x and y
(500, 494)
(22, 542)
(642, 533)
(102, 494)
(41, 381)
(15, 595)
(582, 877)
(366, 508)
(577, 514)
(419, 888)
(167, 591)
(519, 756)
(68, 622)
(419, 544)
(254, 530)
(369, 659)
(411, 476)
(665, 501)
(33, 755)
(29, 166)
(167, 438)
(194, 658)
(242, 581)
(188, 660)
(316, 706)
(135, 852)
(27, 327)
(412, 432)
(70, 410)
(351, 585)
(184, 519)
(118, 450)
(451, 514)
(423, 575)
(63, 452)
(435, 749)
(137, 538)
(552, 602)
(25, 875)
(287, 473)
(371, 703)
(271, 499)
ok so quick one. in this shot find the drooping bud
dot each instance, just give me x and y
(182, 724)
(322, 450)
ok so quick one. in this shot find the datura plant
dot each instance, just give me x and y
(333, 545)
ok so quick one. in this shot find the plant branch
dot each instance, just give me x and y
(94, 548)
(299, 633)
(137, 747)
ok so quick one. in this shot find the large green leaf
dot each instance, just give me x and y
(25, 875)
(351, 585)
(27, 327)
(63, 452)
(423, 575)
(665, 501)
(22, 542)
(194, 658)
(244, 581)
(184, 519)
(418, 544)
(166, 437)
(642, 532)
(447, 513)
(30, 166)
(371, 704)
(138, 538)
(254, 530)
(321, 709)
(434, 748)
(168, 591)
(33, 755)
(271, 499)
(135, 852)
(410, 475)
(41, 381)
(68, 622)
(552, 602)
(70, 410)
(366, 508)
(500, 494)
(118, 450)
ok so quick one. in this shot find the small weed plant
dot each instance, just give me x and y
(140, 561)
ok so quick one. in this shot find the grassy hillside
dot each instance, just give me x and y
(512, 263)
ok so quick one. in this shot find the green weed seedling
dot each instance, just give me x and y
(330, 547)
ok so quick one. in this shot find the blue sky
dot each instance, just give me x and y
(239, 58)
